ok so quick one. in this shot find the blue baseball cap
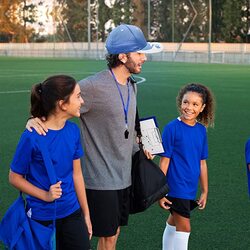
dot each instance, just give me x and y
(127, 38)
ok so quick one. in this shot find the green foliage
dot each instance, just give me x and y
(169, 21)
(235, 20)
(75, 18)
(14, 17)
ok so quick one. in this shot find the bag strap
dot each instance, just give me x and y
(137, 119)
(51, 173)
(48, 163)
(138, 128)
(137, 124)
(50, 170)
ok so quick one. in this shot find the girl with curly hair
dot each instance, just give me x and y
(184, 162)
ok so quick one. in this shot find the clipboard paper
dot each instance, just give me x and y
(151, 136)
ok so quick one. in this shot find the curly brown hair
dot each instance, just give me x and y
(113, 60)
(206, 117)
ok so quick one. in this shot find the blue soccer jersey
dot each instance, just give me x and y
(64, 146)
(186, 146)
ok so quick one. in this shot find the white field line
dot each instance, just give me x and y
(14, 92)
(141, 80)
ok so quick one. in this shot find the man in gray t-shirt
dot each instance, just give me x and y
(108, 131)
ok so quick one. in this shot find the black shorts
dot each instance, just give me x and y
(109, 209)
(182, 207)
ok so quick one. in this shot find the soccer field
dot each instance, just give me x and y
(225, 223)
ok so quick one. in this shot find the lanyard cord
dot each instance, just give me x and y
(125, 107)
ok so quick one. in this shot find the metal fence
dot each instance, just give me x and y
(189, 52)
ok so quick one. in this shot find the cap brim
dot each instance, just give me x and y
(151, 48)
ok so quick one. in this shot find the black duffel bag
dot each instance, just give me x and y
(148, 183)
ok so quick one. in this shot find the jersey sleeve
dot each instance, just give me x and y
(247, 152)
(87, 92)
(204, 153)
(22, 157)
(168, 141)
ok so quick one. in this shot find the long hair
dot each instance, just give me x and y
(45, 95)
(206, 117)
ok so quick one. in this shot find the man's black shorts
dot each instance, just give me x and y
(109, 209)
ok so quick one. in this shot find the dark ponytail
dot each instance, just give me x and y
(45, 95)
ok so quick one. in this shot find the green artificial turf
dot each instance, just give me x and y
(224, 224)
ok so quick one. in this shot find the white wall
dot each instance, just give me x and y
(238, 53)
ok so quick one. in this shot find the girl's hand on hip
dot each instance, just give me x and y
(165, 203)
(202, 201)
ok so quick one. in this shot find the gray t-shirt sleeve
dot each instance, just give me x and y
(87, 92)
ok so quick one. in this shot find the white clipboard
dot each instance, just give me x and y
(151, 136)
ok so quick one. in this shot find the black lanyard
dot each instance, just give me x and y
(125, 107)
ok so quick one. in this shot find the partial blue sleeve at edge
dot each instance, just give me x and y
(247, 156)
(247, 152)
(22, 157)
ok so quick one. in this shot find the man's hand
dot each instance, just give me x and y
(149, 155)
(38, 125)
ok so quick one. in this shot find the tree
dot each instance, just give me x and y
(217, 13)
(72, 19)
(75, 16)
(178, 19)
(235, 20)
(14, 16)
(170, 20)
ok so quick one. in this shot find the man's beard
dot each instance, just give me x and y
(131, 67)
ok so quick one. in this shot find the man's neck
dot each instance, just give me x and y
(121, 74)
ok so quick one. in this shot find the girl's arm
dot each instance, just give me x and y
(248, 167)
(164, 163)
(19, 182)
(81, 193)
(204, 185)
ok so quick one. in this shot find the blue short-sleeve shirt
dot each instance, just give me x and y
(247, 156)
(64, 146)
(186, 146)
